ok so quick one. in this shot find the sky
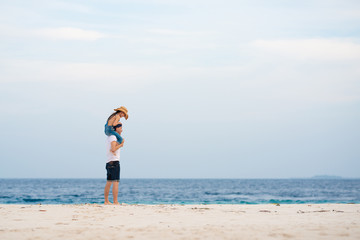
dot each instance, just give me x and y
(214, 89)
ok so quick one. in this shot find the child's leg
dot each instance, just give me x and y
(118, 137)
(109, 130)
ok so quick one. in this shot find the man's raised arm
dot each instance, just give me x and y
(115, 145)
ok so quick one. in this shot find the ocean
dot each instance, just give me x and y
(181, 191)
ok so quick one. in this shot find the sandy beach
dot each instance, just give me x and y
(93, 221)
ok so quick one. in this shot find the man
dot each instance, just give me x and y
(112, 165)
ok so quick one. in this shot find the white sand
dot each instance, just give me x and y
(92, 221)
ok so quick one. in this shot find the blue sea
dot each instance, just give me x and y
(181, 191)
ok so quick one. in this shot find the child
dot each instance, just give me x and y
(113, 120)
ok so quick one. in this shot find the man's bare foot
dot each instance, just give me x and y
(116, 203)
(107, 203)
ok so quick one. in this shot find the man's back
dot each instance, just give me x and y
(110, 155)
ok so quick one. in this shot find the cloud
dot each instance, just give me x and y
(172, 32)
(68, 33)
(171, 41)
(113, 74)
(69, 6)
(10, 31)
(61, 33)
(311, 49)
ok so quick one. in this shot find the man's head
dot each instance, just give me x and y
(118, 128)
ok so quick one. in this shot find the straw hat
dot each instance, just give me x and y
(124, 110)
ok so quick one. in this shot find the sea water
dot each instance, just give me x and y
(181, 191)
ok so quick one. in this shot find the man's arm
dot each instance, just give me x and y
(115, 145)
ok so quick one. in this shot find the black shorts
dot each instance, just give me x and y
(113, 171)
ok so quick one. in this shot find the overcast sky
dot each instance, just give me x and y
(214, 89)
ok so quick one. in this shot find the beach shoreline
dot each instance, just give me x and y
(173, 221)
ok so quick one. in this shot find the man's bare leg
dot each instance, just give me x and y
(115, 192)
(106, 192)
